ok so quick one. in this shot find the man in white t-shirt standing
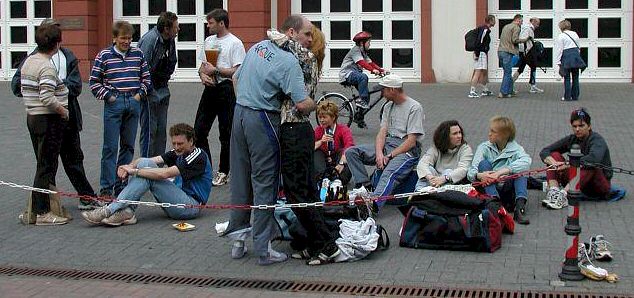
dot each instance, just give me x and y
(218, 98)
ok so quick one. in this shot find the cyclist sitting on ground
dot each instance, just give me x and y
(352, 67)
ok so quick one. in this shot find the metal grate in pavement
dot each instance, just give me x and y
(292, 286)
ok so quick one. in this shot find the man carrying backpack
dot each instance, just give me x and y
(480, 48)
(526, 55)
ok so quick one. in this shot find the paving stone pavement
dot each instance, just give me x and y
(530, 259)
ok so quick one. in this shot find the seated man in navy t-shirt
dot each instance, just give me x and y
(188, 165)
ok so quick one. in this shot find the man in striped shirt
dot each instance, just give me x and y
(46, 100)
(121, 79)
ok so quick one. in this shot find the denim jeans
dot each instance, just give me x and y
(120, 122)
(360, 81)
(164, 191)
(571, 87)
(509, 191)
(154, 122)
(422, 181)
(507, 64)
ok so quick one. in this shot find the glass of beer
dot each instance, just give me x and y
(212, 55)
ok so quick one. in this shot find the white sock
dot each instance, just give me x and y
(485, 88)
(473, 89)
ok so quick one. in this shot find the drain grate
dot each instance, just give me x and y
(292, 286)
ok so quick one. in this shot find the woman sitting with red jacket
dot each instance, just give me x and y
(331, 140)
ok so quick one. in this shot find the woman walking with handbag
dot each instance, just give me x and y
(568, 57)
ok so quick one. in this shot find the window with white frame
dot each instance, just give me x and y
(394, 24)
(18, 21)
(143, 14)
(604, 28)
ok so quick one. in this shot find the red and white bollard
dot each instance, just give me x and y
(570, 269)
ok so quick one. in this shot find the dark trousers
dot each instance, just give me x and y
(46, 136)
(325, 166)
(216, 101)
(525, 60)
(593, 181)
(297, 147)
(73, 161)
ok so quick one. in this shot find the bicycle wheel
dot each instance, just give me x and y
(346, 110)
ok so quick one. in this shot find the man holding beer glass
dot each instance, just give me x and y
(222, 55)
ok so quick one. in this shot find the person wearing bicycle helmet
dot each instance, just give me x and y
(353, 64)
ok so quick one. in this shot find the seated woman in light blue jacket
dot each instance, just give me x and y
(501, 156)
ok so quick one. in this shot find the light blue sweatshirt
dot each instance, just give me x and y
(513, 157)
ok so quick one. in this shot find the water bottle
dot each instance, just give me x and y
(323, 191)
(331, 144)
(335, 188)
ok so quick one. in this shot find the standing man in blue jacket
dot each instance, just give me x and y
(71, 154)
(159, 49)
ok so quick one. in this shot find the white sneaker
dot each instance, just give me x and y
(220, 179)
(551, 195)
(588, 269)
(534, 89)
(600, 248)
(561, 201)
(473, 94)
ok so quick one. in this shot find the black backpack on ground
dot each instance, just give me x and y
(471, 40)
(453, 221)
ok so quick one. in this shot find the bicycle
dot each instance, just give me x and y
(348, 110)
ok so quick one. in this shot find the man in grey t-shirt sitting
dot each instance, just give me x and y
(398, 141)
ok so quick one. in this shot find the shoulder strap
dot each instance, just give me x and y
(573, 40)
(384, 239)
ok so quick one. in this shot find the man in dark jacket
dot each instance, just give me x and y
(595, 182)
(159, 49)
(481, 59)
(72, 156)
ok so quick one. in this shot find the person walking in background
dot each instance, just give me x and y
(568, 58)
(218, 98)
(481, 59)
(121, 79)
(526, 57)
(159, 50)
(509, 47)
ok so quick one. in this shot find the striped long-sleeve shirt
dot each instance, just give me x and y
(115, 73)
(42, 90)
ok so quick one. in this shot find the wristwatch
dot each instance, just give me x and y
(390, 156)
(341, 163)
(448, 178)
(217, 72)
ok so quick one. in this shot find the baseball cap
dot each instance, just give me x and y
(391, 81)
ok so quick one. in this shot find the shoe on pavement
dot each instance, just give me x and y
(600, 248)
(89, 204)
(122, 217)
(588, 269)
(520, 212)
(561, 201)
(326, 256)
(486, 93)
(220, 179)
(534, 89)
(50, 219)
(272, 257)
(473, 94)
(96, 216)
(551, 196)
(500, 95)
(238, 250)
(301, 255)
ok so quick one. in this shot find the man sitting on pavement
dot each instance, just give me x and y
(398, 142)
(188, 165)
